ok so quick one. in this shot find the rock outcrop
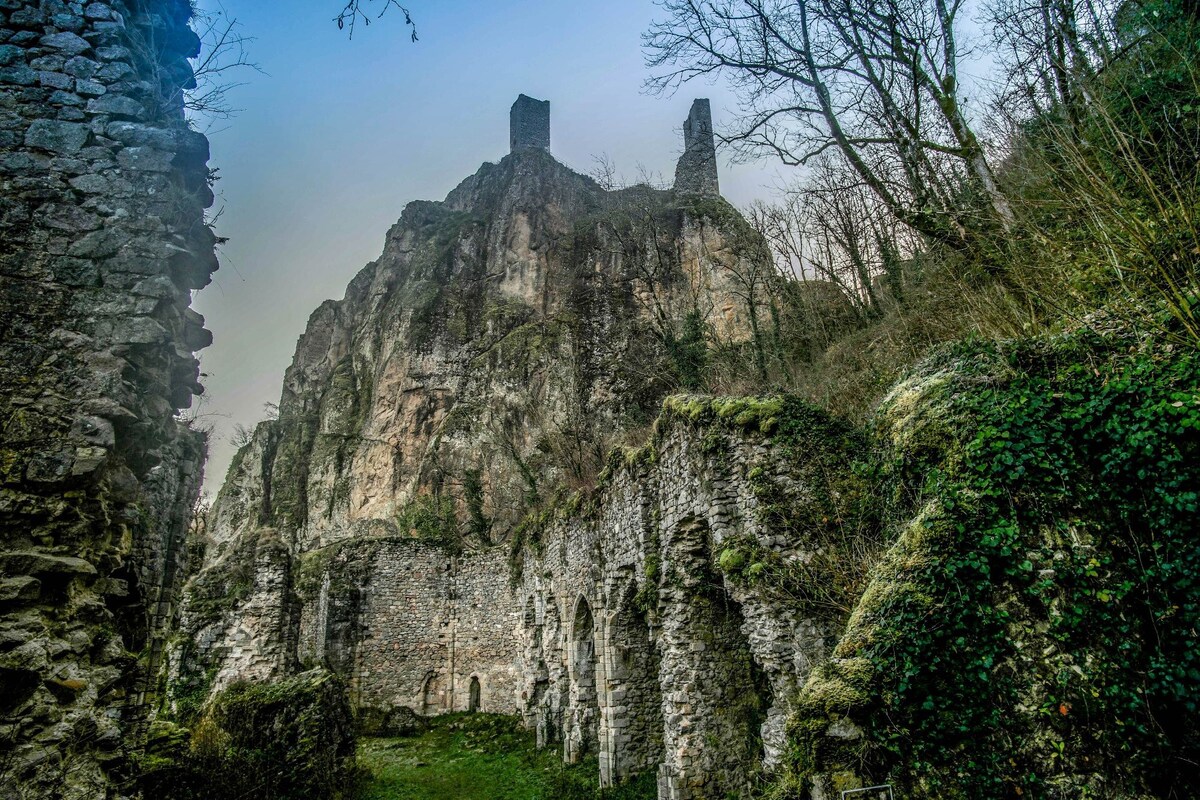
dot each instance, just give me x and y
(506, 340)
(102, 240)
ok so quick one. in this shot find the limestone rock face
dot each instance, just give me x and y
(528, 308)
(486, 365)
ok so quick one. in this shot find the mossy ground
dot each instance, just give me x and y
(480, 757)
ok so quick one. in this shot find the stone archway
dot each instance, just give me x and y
(582, 735)
(433, 695)
(712, 699)
(474, 703)
(631, 723)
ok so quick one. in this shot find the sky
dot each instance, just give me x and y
(334, 137)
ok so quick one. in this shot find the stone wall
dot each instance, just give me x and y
(405, 622)
(696, 171)
(638, 648)
(433, 623)
(529, 124)
(102, 240)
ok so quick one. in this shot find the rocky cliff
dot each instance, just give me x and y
(503, 342)
(989, 591)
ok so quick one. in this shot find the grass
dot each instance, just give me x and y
(481, 757)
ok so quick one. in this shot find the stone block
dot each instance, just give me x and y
(113, 71)
(114, 53)
(89, 88)
(57, 136)
(68, 218)
(62, 98)
(20, 589)
(81, 67)
(31, 562)
(55, 80)
(18, 75)
(115, 105)
(66, 42)
(99, 11)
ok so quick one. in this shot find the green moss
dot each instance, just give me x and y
(480, 525)
(291, 740)
(431, 518)
(226, 584)
(1035, 621)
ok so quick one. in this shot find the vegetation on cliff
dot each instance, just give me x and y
(1004, 546)
(1030, 630)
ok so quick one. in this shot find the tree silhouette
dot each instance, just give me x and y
(357, 11)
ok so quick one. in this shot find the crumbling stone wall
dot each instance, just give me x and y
(696, 170)
(406, 623)
(102, 240)
(685, 671)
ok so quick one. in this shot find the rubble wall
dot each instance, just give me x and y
(102, 240)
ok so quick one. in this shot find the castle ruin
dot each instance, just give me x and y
(696, 171)
(529, 124)
(607, 630)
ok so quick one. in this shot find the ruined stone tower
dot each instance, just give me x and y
(529, 124)
(696, 172)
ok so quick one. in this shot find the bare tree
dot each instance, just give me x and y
(875, 80)
(832, 228)
(356, 11)
(604, 172)
(1048, 50)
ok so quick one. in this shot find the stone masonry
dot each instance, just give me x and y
(696, 171)
(638, 650)
(529, 124)
(102, 241)
(383, 525)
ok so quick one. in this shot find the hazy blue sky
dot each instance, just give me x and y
(338, 136)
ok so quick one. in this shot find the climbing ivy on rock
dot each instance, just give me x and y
(1034, 631)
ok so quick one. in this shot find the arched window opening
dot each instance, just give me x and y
(433, 695)
(473, 702)
(585, 713)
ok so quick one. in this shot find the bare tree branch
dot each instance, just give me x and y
(355, 12)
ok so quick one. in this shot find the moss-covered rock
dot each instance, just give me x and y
(1032, 632)
(292, 740)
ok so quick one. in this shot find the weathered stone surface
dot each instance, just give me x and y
(22, 587)
(80, 67)
(55, 80)
(56, 136)
(66, 42)
(370, 527)
(696, 172)
(18, 75)
(97, 477)
(116, 105)
(145, 158)
(35, 563)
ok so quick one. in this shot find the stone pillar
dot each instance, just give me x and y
(696, 171)
(630, 698)
(710, 702)
(529, 124)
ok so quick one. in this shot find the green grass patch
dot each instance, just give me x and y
(481, 757)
